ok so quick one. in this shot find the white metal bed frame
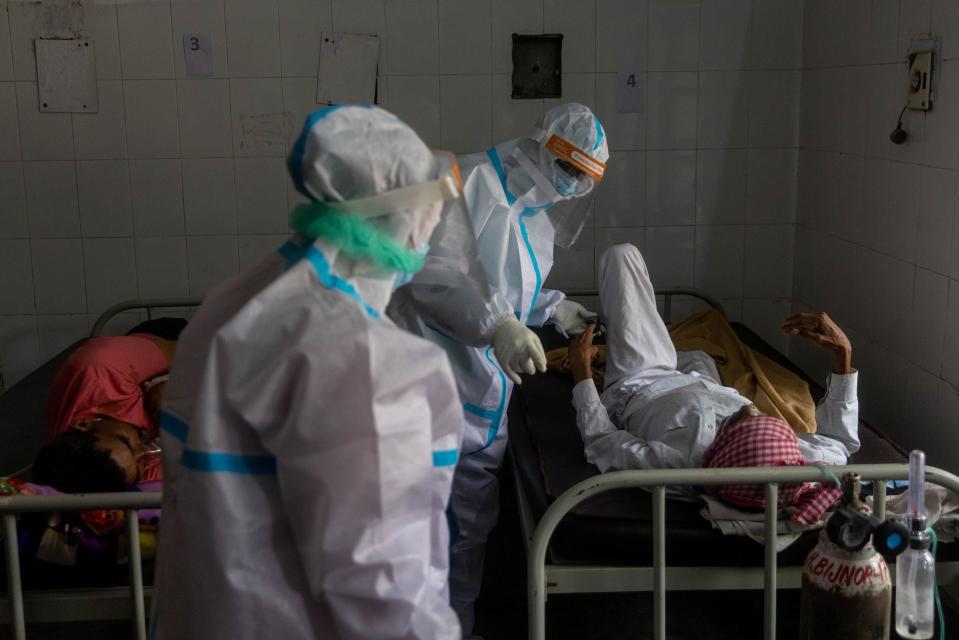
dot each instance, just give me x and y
(82, 604)
(544, 579)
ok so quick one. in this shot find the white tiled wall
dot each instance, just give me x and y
(878, 240)
(177, 182)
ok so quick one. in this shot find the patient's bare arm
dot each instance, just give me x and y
(820, 328)
(153, 398)
(582, 354)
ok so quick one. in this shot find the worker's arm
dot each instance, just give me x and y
(607, 446)
(837, 415)
(351, 434)
(544, 307)
(455, 304)
(450, 300)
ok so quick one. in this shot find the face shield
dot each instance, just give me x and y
(566, 178)
(453, 260)
(575, 174)
(432, 218)
(565, 160)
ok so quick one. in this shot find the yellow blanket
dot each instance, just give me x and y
(775, 390)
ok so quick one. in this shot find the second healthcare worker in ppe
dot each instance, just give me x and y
(309, 444)
(524, 196)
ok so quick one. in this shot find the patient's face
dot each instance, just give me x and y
(122, 441)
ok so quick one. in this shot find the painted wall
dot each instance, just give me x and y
(877, 244)
(177, 183)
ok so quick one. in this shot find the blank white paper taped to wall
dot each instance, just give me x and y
(66, 76)
(65, 56)
(347, 72)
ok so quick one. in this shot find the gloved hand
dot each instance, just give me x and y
(572, 317)
(517, 349)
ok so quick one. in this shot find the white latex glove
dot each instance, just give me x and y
(517, 349)
(572, 317)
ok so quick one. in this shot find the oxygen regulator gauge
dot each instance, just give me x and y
(851, 529)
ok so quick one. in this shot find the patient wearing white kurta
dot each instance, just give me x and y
(656, 413)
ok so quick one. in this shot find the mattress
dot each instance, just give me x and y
(616, 527)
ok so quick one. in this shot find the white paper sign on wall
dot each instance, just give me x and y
(347, 70)
(198, 55)
(66, 76)
(630, 92)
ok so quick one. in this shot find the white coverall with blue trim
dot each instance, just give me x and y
(309, 447)
(515, 244)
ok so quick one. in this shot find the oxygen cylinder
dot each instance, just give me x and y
(846, 590)
(845, 594)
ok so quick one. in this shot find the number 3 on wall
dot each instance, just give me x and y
(198, 55)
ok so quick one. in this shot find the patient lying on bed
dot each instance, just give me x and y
(102, 411)
(653, 415)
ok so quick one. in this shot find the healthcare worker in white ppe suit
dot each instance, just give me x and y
(309, 444)
(524, 196)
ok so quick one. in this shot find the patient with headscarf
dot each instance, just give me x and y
(659, 409)
(103, 410)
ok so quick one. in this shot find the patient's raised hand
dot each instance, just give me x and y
(821, 329)
(582, 354)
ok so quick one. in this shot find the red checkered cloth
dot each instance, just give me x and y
(763, 441)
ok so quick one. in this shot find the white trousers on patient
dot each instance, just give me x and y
(636, 336)
(640, 349)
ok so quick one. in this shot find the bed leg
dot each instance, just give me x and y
(769, 585)
(536, 599)
(136, 575)
(536, 584)
(14, 588)
(659, 562)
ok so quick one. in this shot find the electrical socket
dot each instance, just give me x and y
(920, 80)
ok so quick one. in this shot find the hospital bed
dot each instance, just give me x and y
(587, 532)
(54, 595)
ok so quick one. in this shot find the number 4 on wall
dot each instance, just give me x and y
(630, 92)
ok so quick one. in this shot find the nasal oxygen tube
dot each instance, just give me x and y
(916, 591)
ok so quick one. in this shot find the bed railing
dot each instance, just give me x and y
(541, 578)
(149, 304)
(10, 506)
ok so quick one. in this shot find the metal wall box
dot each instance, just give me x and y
(537, 66)
(347, 69)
